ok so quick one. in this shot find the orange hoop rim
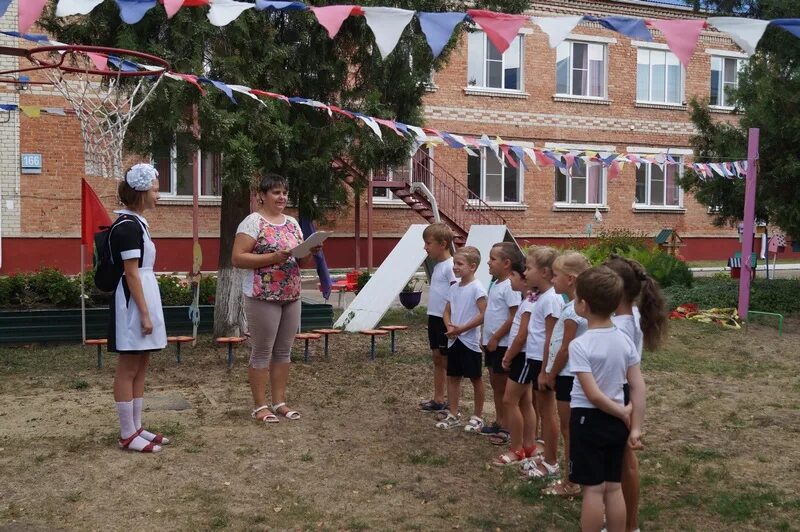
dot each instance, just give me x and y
(151, 60)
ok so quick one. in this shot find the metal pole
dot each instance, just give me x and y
(357, 233)
(83, 293)
(369, 226)
(749, 218)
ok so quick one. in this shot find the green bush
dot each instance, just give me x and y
(664, 268)
(173, 293)
(775, 295)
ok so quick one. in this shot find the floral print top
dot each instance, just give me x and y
(279, 282)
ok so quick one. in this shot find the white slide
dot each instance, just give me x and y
(376, 297)
(484, 237)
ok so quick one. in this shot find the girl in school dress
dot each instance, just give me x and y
(136, 326)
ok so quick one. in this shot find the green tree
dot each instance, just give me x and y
(287, 53)
(768, 97)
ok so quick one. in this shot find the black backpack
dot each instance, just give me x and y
(107, 270)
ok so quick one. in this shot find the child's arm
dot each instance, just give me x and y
(570, 330)
(502, 330)
(477, 320)
(601, 400)
(518, 342)
(549, 325)
(447, 323)
(638, 400)
(131, 268)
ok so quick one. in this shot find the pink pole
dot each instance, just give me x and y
(749, 218)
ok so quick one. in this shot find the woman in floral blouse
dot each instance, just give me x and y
(272, 295)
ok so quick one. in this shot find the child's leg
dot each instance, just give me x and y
(498, 382)
(454, 393)
(615, 507)
(592, 508)
(529, 418)
(513, 396)
(537, 433)
(480, 395)
(563, 418)
(630, 488)
(547, 411)
(439, 375)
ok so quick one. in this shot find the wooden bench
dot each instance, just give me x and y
(178, 340)
(99, 342)
(307, 337)
(392, 330)
(326, 333)
(372, 333)
(231, 342)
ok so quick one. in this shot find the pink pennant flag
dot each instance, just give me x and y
(570, 160)
(681, 35)
(29, 11)
(100, 61)
(341, 111)
(390, 124)
(332, 17)
(543, 159)
(613, 170)
(500, 28)
(172, 7)
(509, 159)
(280, 97)
(189, 78)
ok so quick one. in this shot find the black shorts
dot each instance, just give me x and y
(536, 368)
(596, 446)
(626, 390)
(520, 371)
(463, 361)
(564, 388)
(437, 334)
(494, 359)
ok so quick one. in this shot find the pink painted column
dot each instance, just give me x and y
(747, 222)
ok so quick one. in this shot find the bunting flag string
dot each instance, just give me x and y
(389, 23)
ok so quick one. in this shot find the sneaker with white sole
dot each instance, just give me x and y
(449, 422)
(475, 424)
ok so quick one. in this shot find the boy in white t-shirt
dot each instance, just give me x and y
(601, 360)
(463, 316)
(438, 241)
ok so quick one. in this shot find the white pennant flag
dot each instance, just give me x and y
(66, 8)
(557, 28)
(241, 89)
(372, 125)
(418, 132)
(387, 23)
(223, 12)
(745, 31)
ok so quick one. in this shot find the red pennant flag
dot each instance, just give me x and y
(509, 159)
(500, 28)
(93, 215)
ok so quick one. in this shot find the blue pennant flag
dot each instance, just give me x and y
(4, 6)
(132, 11)
(792, 25)
(35, 37)
(453, 143)
(438, 28)
(325, 281)
(402, 127)
(261, 5)
(221, 86)
(8, 107)
(520, 153)
(635, 28)
(123, 65)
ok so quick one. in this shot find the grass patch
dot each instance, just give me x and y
(701, 454)
(306, 457)
(427, 458)
(171, 429)
(401, 316)
(79, 384)
(743, 505)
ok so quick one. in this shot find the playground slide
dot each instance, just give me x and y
(376, 297)
(484, 237)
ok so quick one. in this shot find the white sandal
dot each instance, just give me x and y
(269, 418)
(290, 414)
(551, 472)
(475, 424)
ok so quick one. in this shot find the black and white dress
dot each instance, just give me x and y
(128, 240)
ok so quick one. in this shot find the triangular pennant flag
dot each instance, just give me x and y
(31, 111)
(280, 97)
(390, 124)
(531, 155)
(792, 25)
(634, 28)
(261, 5)
(4, 6)
(29, 11)
(221, 86)
(93, 215)
(557, 28)
(451, 141)
(387, 24)
(247, 91)
(438, 28)
(421, 135)
(613, 170)
(371, 123)
(132, 11)
(66, 8)
(332, 17)
(172, 7)
(520, 156)
(223, 12)
(8, 107)
(746, 32)
(571, 161)
(509, 159)
(500, 28)
(190, 78)
(343, 112)
(100, 61)
(401, 126)
(54, 111)
(681, 36)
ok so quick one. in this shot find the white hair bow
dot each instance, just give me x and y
(141, 176)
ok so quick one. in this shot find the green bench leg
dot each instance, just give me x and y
(99, 356)
(760, 313)
(178, 352)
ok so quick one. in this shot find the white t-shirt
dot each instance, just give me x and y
(441, 279)
(548, 304)
(501, 297)
(607, 354)
(567, 313)
(631, 326)
(526, 306)
(463, 309)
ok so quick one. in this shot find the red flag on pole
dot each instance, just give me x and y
(93, 215)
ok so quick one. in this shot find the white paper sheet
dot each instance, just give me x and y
(313, 241)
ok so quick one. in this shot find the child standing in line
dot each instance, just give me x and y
(601, 360)
(645, 328)
(463, 315)
(438, 241)
(569, 326)
(518, 399)
(501, 308)
(539, 271)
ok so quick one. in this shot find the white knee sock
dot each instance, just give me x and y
(126, 424)
(137, 412)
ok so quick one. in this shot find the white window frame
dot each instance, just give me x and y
(484, 60)
(173, 177)
(484, 153)
(389, 198)
(680, 154)
(658, 47)
(723, 55)
(571, 41)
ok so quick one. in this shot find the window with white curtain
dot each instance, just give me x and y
(657, 184)
(176, 169)
(581, 69)
(583, 186)
(724, 79)
(490, 181)
(488, 68)
(659, 77)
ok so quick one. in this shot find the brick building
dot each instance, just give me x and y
(598, 91)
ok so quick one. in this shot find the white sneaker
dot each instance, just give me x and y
(449, 422)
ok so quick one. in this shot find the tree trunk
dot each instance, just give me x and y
(229, 319)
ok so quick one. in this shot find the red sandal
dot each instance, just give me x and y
(149, 448)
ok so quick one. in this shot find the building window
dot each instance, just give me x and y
(418, 170)
(581, 69)
(490, 181)
(583, 186)
(657, 185)
(659, 77)
(724, 79)
(175, 170)
(488, 68)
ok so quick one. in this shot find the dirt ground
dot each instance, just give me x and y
(722, 430)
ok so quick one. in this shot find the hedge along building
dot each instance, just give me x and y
(597, 91)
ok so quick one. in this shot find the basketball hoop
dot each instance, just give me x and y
(106, 87)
